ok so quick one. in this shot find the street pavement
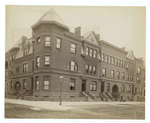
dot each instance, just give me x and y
(48, 105)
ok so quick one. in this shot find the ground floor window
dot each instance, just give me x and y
(46, 82)
(37, 83)
(24, 84)
(72, 84)
(128, 88)
(93, 86)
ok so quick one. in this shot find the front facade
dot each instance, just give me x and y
(92, 69)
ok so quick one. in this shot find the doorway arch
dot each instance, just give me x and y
(115, 88)
(17, 85)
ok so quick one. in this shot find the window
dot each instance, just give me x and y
(93, 86)
(46, 82)
(116, 61)
(95, 53)
(118, 74)
(90, 69)
(102, 57)
(109, 59)
(17, 69)
(87, 50)
(94, 70)
(37, 62)
(24, 84)
(108, 87)
(87, 68)
(38, 40)
(112, 73)
(47, 40)
(127, 76)
(72, 84)
(73, 66)
(122, 88)
(47, 61)
(123, 76)
(58, 43)
(26, 52)
(113, 60)
(91, 52)
(106, 58)
(128, 88)
(119, 61)
(73, 48)
(37, 83)
(104, 72)
(138, 79)
(25, 67)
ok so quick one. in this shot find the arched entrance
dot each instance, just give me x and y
(115, 93)
(17, 85)
(115, 88)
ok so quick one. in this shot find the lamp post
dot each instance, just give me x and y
(61, 79)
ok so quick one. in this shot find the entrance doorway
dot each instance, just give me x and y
(102, 86)
(115, 93)
(83, 85)
(17, 85)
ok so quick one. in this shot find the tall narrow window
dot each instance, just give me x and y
(127, 76)
(95, 53)
(12, 70)
(58, 43)
(25, 67)
(24, 84)
(90, 69)
(17, 69)
(119, 62)
(37, 83)
(46, 82)
(73, 66)
(128, 88)
(102, 57)
(47, 61)
(87, 68)
(91, 52)
(104, 72)
(116, 61)
(109, 59)
(26, 52)
(87, 50)
(106, 58)
(47, 40)
(38, 40)
(131, 77)
(37, 62)
(112, 73)
(72, 84)
(118, 74)
(122, 88)
(94, 70)
(73, 48)
(123, 76)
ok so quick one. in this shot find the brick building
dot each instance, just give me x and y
(92, 69)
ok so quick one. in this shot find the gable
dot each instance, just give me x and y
(91, 38)
(130, 55)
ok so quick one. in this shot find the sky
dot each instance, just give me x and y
(120, 26)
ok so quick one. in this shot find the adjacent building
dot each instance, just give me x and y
(92, 69)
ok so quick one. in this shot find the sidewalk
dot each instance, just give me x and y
(65, 105)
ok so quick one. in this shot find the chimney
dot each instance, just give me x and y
(98, 37)
(78, 31)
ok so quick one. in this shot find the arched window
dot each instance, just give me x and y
(128, 88)
(73, 66)
(122, 88)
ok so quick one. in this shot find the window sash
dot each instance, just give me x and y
(47, 60)
(73, 48)
(46, 84)
(95, 53)
(37, 62)
(25, 67)
(91, 52)
(72, 84)
(109, 59)
(47, 40)
(112, 73)
(87, 50)
(58, 43)
(104, 72)
(106, 58)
